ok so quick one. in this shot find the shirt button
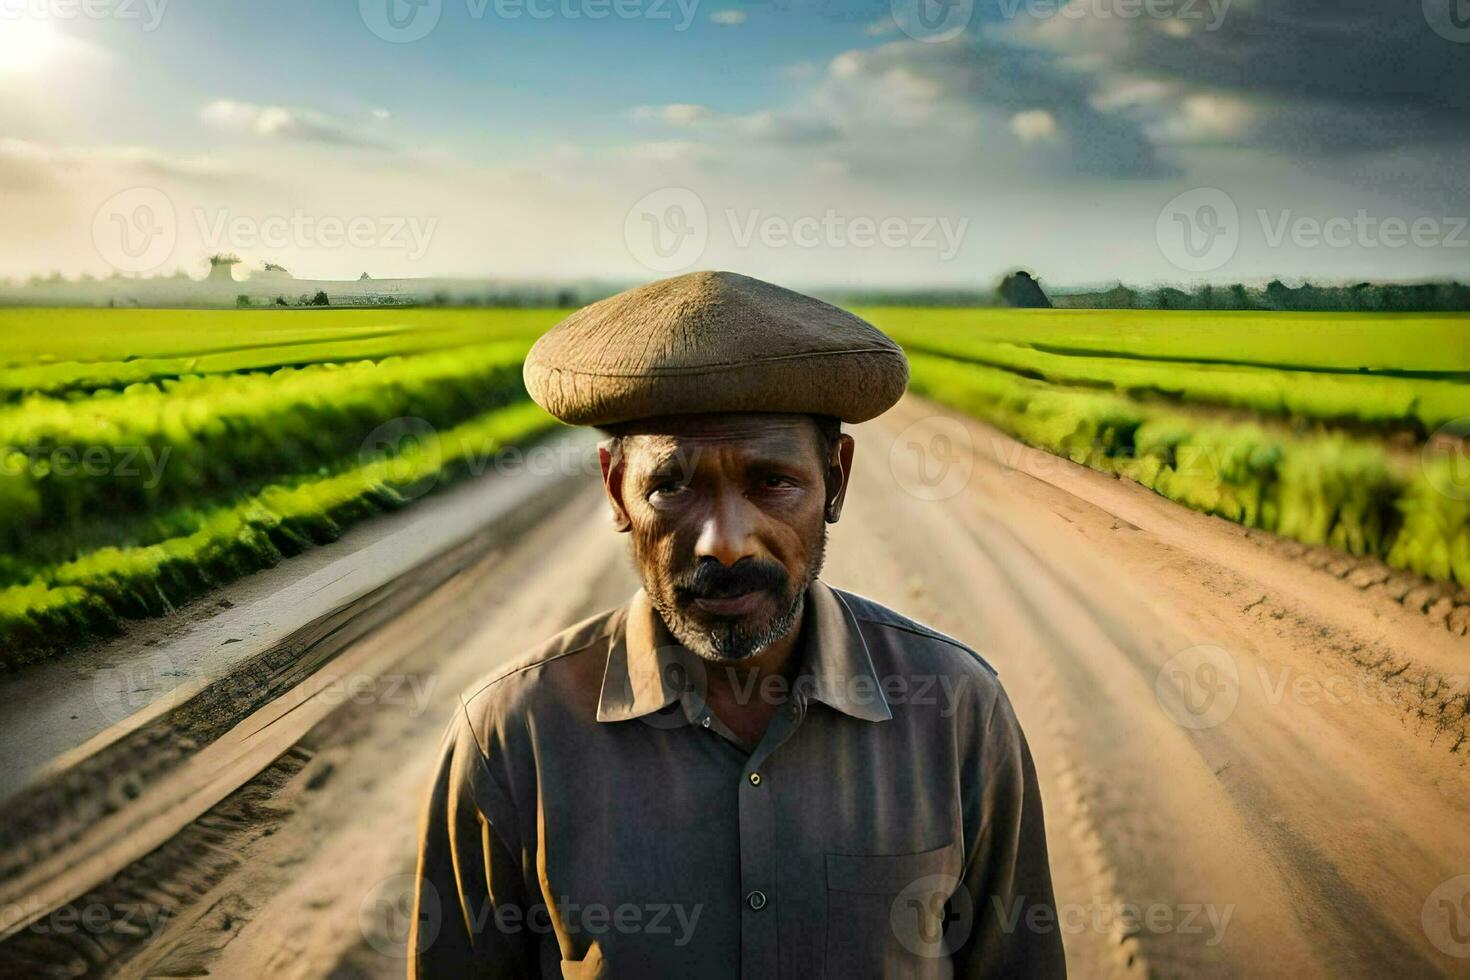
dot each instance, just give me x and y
(704, 721)
(755, 779)
(756, 900)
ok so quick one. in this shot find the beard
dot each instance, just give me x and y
(724, 638)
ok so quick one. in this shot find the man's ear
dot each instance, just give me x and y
(610, 458)
(839, 469)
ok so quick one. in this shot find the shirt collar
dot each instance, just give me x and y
(648, 670)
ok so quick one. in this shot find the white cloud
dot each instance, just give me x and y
(1034, 125)
(277, 122)
(675, 113)
(114, 160)
(1208, 116)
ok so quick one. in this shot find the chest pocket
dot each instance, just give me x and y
(894, 915)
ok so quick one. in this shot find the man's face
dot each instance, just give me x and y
(728, 517)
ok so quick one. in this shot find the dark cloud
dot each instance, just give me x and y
(976, 84)
(1323, 76)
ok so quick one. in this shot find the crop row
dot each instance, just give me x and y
(181, 442)
(76, 351)
(93, 593)
(1425, 404)
(1323, 489)
(1428, 345)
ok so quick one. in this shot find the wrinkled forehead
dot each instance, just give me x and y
(771, 435)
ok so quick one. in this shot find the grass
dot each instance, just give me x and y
(91, 594)
(149, 456)
(1333, 429)
(1420, 403)
(60, 350)
(211, 433)
(1427, 345)
(262, 422)
(1320, 487)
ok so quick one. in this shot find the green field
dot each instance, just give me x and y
(1330, 429)
(149, 456)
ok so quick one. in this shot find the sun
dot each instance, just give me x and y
(27, 46)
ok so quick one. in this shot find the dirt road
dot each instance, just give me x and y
(1246, 765)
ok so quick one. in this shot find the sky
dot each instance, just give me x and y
(811, 142)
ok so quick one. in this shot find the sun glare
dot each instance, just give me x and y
(27, 46)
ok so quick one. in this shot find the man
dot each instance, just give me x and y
(743, 772)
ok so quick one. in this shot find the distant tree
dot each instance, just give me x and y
(281, 301)
(1120, 297)
(364, 277)
(1310, 297)
(1169, 298)
(320, 299)
(1021, 290)
(1278, 295)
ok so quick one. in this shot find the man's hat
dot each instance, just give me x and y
(713, 342)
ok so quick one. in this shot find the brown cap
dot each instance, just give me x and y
(713, 342)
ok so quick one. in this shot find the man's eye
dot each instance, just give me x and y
(667, 487)
(775, 481)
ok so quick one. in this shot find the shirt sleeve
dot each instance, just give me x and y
(469, 908)
(1014, 927)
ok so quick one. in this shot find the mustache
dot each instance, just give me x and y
(712, 580)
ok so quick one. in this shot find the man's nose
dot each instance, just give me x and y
(728, 532)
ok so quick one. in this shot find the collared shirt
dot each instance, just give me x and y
(592, 817)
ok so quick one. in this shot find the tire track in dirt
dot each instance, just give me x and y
(1320, 827)
(1324, 825)
(910, 554)
(323, 894)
